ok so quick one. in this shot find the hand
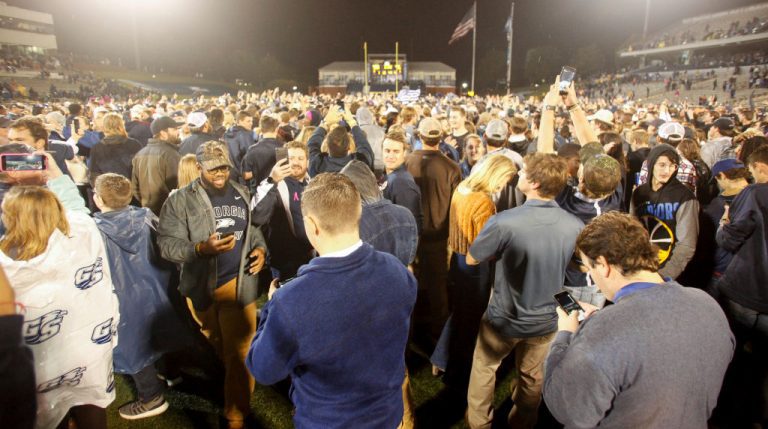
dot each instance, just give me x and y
(726, 219)
(567, 322)
(333, 117)
(53, 171)
(589, 309)
(214, 246)
(570, 99)
(280, 171)
(552, 98)
(349, 118)
(273, 287)
(452, 141)
(258, 257)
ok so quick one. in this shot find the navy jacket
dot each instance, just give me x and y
(745, 281)
(321, 162)
(339, 331)
(191, 143)
(402, 190)
(238, 141)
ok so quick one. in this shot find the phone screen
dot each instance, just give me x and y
(281, 153)
(223, 235)
(23, 162)
(567, 74)
(567, 303)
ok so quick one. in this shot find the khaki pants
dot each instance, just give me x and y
(230, 328)
(490, 349)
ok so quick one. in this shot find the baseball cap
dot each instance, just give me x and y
(602, 115)
(212, 154)
(725, 165)
(163, 123)
(197, 119)
(724, 123)
(672, 131)
(496, 130)
(430, 127)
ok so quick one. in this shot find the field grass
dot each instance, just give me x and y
(197, 402)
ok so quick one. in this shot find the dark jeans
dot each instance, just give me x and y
(147, 383)
(431, 270)
(469, 289)
(751, 327)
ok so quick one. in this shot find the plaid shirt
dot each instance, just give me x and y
(686, 174)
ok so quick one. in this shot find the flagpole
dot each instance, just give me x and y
(397, 62)
(509, 48)
(474, 44)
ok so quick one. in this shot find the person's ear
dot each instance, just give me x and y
(310, 224)
(602, 267)
(98, 201)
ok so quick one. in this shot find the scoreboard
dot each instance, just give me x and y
(383, 69)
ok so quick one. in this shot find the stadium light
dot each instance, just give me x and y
(295, 87)
(464, 85)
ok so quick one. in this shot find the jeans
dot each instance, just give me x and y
(469, 289)
(147, 383)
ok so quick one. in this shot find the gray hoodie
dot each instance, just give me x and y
(374, 133)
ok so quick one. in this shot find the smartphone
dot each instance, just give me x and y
(281, 153)
(340, 103)
(567, 303)
(23, 162)
(223, 235)
(567, 74)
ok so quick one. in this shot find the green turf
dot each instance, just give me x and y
(272, 408)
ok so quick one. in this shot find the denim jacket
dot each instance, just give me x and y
(390, 228)
(187, 219)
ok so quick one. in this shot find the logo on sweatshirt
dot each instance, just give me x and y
(102, 333)
(661, 235)
(43, 328)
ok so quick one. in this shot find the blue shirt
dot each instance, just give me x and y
(230, 212)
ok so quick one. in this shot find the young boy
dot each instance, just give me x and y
(140, 278)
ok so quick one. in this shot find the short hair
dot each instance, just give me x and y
(602, 174)
(285, 116)
(622, 240)
(268, 124)
(32, 124)
(114, 190)
(750, 145)
(338, 142)
(736, 173)
(327, 196)
(297, 145)
(641, 137)
(462, 111)
(242, 115)
(114, 125)
(518, 125)
(216, 118)
(407, 114)
(398, 135)
(75, 109)
(549, 171)
(760, 155)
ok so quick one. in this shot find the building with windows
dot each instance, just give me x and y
(386, 73)
(26, 31)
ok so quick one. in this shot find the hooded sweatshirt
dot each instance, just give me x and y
(670, 214)
(374, 133)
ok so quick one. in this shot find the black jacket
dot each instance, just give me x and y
(18, 404)
(113, 154)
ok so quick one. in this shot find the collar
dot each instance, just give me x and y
(344, 252)
(632, 288)
(540, 203)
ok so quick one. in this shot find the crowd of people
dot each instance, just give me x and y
(757, 24)
(377, 228)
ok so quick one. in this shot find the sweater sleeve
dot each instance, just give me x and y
(66, 191)
(483, 211)
(741, 226)
(687, 231)
(577, 393)
(273, 353)
(314, 144)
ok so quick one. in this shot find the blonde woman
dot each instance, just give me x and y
(62, 279)
(188, 170)
(115, 152)
(469, 286)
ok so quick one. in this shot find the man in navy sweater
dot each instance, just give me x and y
(339, 329)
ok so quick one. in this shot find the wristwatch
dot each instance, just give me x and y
(550, 108)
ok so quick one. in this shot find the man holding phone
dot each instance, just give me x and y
(206, 228)
(656, 358)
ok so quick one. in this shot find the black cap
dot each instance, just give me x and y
(724, 123)
(163, 123)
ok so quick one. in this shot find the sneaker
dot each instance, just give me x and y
(138, 410)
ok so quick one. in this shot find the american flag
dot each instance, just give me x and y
(466, 25)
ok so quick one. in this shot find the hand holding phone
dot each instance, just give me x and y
(23, 162)
(567, 75)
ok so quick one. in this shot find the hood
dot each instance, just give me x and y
(116, 139)
(364, 179)
(364, 116)
(659, 150)
(123, 227)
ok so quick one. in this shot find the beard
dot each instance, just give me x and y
(174, 140)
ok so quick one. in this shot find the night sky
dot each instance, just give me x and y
(308, 34)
